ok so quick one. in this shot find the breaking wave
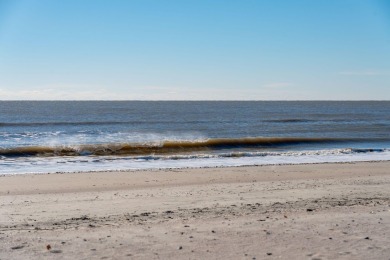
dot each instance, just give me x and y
(167, 147)
(346, 151)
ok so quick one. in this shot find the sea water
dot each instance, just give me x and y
(68, 136)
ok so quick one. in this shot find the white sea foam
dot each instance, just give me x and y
(107, 163)
(60, 139)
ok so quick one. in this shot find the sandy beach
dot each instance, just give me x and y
(314, 211)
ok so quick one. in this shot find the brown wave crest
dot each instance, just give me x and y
(167, 147)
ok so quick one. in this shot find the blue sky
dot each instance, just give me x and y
(195, 50)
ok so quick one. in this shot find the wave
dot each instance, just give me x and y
(92, 123)
(337, 120)
(168, 147)
(64, 123)
(17, 165)
(345, 151)
(290, 120)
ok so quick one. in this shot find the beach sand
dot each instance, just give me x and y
(314, 211)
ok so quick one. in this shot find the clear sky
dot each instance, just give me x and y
(195, 50)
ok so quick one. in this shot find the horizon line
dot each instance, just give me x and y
(197, 100)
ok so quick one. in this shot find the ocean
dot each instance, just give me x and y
(72, 136)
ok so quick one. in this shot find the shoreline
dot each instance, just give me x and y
(63, 182)
(75, 164)
(191, 168)
(325, 210)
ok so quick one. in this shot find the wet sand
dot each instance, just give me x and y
(314, 211)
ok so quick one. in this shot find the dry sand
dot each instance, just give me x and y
(317, 211)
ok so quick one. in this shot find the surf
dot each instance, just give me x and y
(168, 146)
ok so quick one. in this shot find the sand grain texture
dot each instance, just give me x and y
(315, 211)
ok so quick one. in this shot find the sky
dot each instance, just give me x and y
(194, 50)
